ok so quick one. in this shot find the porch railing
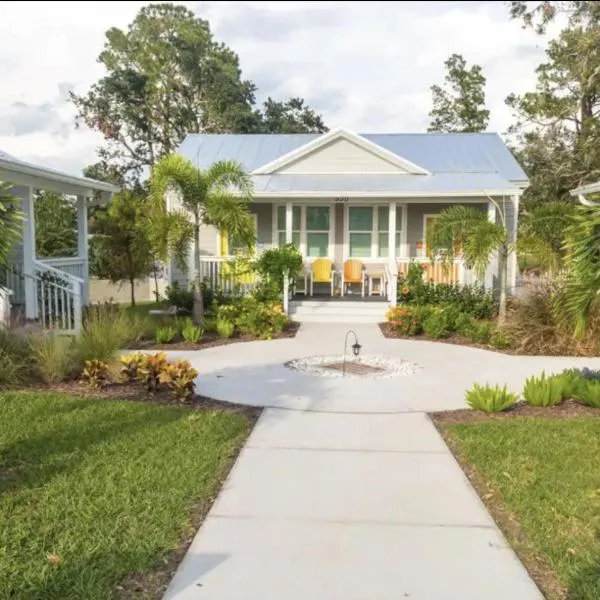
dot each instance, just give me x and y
(74, 265)
(224, 274)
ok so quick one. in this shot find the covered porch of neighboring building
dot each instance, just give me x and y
(50, 291)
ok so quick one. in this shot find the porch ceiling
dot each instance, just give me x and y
(381, 185)
(19, 172)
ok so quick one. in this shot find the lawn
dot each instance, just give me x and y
(540, 477)
(97, 496)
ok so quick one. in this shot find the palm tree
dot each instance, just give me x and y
(581, 295)
(11, 220)
(478, 238)
(217, 196)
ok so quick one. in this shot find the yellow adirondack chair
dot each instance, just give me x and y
(353, 272)
(321, 271)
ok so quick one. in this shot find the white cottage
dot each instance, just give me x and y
(51, 291)
(357, 206)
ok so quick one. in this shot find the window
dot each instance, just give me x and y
(317, 231)
(360, 228)
(296, 219)
(383, 231)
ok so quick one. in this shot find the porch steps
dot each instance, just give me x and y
(330, 311)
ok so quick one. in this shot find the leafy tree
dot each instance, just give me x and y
(293, 116)
(538, 15)
(542, 232)
(121, 247)
(209, 197)
(460, 106)
(478, 238)
(166, 76)
(557, 125)
(11, 223)
(55, 225)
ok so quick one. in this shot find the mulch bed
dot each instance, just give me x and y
(453, 338)
(212, 339)
(136, 393)
(568, 409)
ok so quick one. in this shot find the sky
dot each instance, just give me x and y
(365, 66)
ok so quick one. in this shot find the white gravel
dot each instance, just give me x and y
(391, 367)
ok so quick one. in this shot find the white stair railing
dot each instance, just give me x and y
(58, 298)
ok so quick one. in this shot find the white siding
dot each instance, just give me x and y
(341, 156)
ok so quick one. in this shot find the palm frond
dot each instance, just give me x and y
(179, 172)
(226, 174)
(229, 213)
(483, 239)
(582, 288)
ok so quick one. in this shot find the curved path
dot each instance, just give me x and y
(345, 490)
(254, 372)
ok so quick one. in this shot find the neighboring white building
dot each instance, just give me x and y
(51, 291)
(368, 197)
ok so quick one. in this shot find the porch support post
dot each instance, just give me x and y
(512, 261)
(82, 244)
(492, 269)
(288, 222)
(29, 282)
(393, 265)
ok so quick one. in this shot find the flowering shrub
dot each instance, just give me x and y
(404, 320)
(251, 317)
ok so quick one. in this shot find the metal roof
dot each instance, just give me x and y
(384, 184)
(11, 168)
(437, 152)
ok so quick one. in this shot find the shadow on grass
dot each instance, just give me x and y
(34, 460)
(583, 582)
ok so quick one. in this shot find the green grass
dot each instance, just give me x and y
(108, 486)
(545, 473)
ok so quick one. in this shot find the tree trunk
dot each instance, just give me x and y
(503, 275)
(155, 274)
(132, 283)
(198, 310)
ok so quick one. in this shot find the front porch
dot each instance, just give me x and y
(353, 248)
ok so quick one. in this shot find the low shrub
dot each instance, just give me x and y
(165, 335)
(465, 325)
(543, 391)
(190, 332)
(150, 369)
(225, 328)
(179, 297)
(438, 324)
(404, 320)
(251, 317)
(210, 324)
(130, 365)
(500, 338)
(474, 300)
(587, 391)
(482, 332)
(179, 375)
(96, 373)
(490, 398)
(52, 356)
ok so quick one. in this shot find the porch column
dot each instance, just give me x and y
(288, 222)
(513, 266)
(82, 244)
(29, 254)
(393, 265)
(492, 268)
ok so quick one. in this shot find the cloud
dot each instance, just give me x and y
(367, 66)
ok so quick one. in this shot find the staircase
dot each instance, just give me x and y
(332, 311)
(57, 297)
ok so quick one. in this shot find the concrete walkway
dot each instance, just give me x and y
(345, 490)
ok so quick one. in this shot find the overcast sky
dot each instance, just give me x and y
(366, 66)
